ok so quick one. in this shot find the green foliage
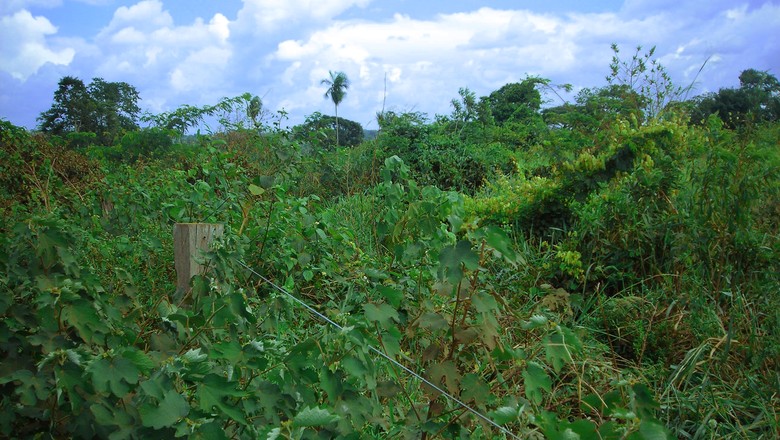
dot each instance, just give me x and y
(515, 102)
(319, 132)
(145, 144)
(233, 113)
(647, 78)
(756, 100)
(597, 275)
(108, 109)
(41, 174)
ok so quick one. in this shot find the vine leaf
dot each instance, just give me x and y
(309, 417)
(212, 393)
(113, 375)
(172, 408)
(384, 314)
(650, 430)
(452, 259)
(474, 389)
(82, 315)
(497, 239)
(449, 372)
(256, 190)
(560, 346)
(504, 415)
(536, 380)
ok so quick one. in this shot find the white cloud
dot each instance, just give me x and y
(280, 50)
(148, 50)
(145, 16)
(25, 49)
(201, 69)
(270, 15)
(427, 60)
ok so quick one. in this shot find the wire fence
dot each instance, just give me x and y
(383, 355)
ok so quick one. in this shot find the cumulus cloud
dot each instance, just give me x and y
(147, 49)
(426, 60)
(281, 50)
(25, 48)
(145, 16)
(269, 15)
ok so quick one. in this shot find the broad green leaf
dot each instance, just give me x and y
(140, 359)
(207, 431)
(391, 295)
(375, 274)
(496, 238)
(229, 350)
(83, 316)
(256, 190)
(504, 415)
(650, 429)
(172, 408)
(560, 346)
(387, 388)
(156, 386)
(433, 321)
(448, 372)
(453, 259)
(484, 303)
(332, 383)
(309, 417)
(114, 375)
(644, 402)
(584, 428)
(103, 416)
(474, 388)
(213, 393)
(384, 314)
(466, 336)
(536, 380)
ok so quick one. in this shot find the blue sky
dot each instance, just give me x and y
(196, 52)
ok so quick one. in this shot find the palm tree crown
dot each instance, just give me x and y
(338, 83)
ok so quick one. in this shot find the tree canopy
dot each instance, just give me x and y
(105, 108)
(515, 101)
(757, 99)
(319, 129)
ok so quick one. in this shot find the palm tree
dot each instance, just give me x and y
(338, 83)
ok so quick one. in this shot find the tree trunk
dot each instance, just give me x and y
(337, 126)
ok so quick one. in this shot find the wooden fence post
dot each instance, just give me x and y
(189, 239)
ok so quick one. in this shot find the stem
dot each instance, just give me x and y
(454, 318)
(395, 371)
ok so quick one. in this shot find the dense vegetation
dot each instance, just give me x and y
(606, 268)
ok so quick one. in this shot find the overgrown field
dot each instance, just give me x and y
(577, 274)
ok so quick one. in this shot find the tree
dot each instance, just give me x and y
(71, 109)
(647, 77)
(254, 109)
(596, 107)
(757, 99)
(232, 114)
(515, 101)
(319, 130)
(105, 108)
(338, 83)
(115, 107)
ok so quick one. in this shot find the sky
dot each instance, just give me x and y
(402, 55)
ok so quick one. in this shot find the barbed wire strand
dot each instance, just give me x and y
(315, 312)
